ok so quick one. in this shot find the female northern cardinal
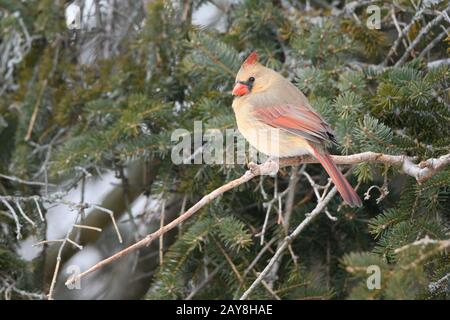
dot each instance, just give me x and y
(266, 101)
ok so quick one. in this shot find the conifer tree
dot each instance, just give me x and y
(105, 96)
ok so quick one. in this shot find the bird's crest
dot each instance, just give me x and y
(251, 59)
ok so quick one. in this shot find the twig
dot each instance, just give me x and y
(330, 216)
(435, 286)
(30, 183)
(182, 209)
(313, 185)
(383, 192)
(46, 242)
(433, 43)
(421, 172)
(423, 242)
(277, 197)
(57, 198)
(437, 63)
(400, 37)
(81, 226)
(309, 218)
(419, 37)
(230, 262)
(35, 111)
(24, 215)
(80, 247)
(161, 239)
(126, 198)
(439, 246)
(39, 209)
(294, 178)
(397, 26)
(266, 220)
(16, 219)
(265, 168)
(58, 240)
(253, 263)
(258, 256)
(57, 265)
(11, 286)
(111, 215)
(269, 288)
(204, 282)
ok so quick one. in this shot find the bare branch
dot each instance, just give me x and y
(16, 219)
(111, 214)
(80, 226)
(35, 111)
(423, 242)
(39, 209)
(420, 172)
(400, 37)
(30, 183)
(433, 43)
(24, 215)
(419, 37)
(265, 168)
(57, 198)
(204, 282)
(258, 256)
(438, 285)
(10, 286)
(161, 239)
(309, 218)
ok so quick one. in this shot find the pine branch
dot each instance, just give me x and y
(422, 171)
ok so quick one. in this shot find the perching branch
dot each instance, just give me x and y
(255, 170)
(421, 172)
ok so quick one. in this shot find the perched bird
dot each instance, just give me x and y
(266, 102)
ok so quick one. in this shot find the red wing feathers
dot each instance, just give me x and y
(300, 121)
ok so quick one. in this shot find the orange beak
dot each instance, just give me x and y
(240, 89)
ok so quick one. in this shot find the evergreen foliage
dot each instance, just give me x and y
(166, 74)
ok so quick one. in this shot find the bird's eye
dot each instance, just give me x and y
(251, 79)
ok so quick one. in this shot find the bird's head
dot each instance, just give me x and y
(252, 77)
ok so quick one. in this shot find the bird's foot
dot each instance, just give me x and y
(270, 167)
(254, 168)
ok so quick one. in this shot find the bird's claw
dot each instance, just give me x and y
(270, 167)
(253, 167)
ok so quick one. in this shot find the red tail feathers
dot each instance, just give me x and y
(345, 189)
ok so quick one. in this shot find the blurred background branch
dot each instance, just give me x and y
(91, 91)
